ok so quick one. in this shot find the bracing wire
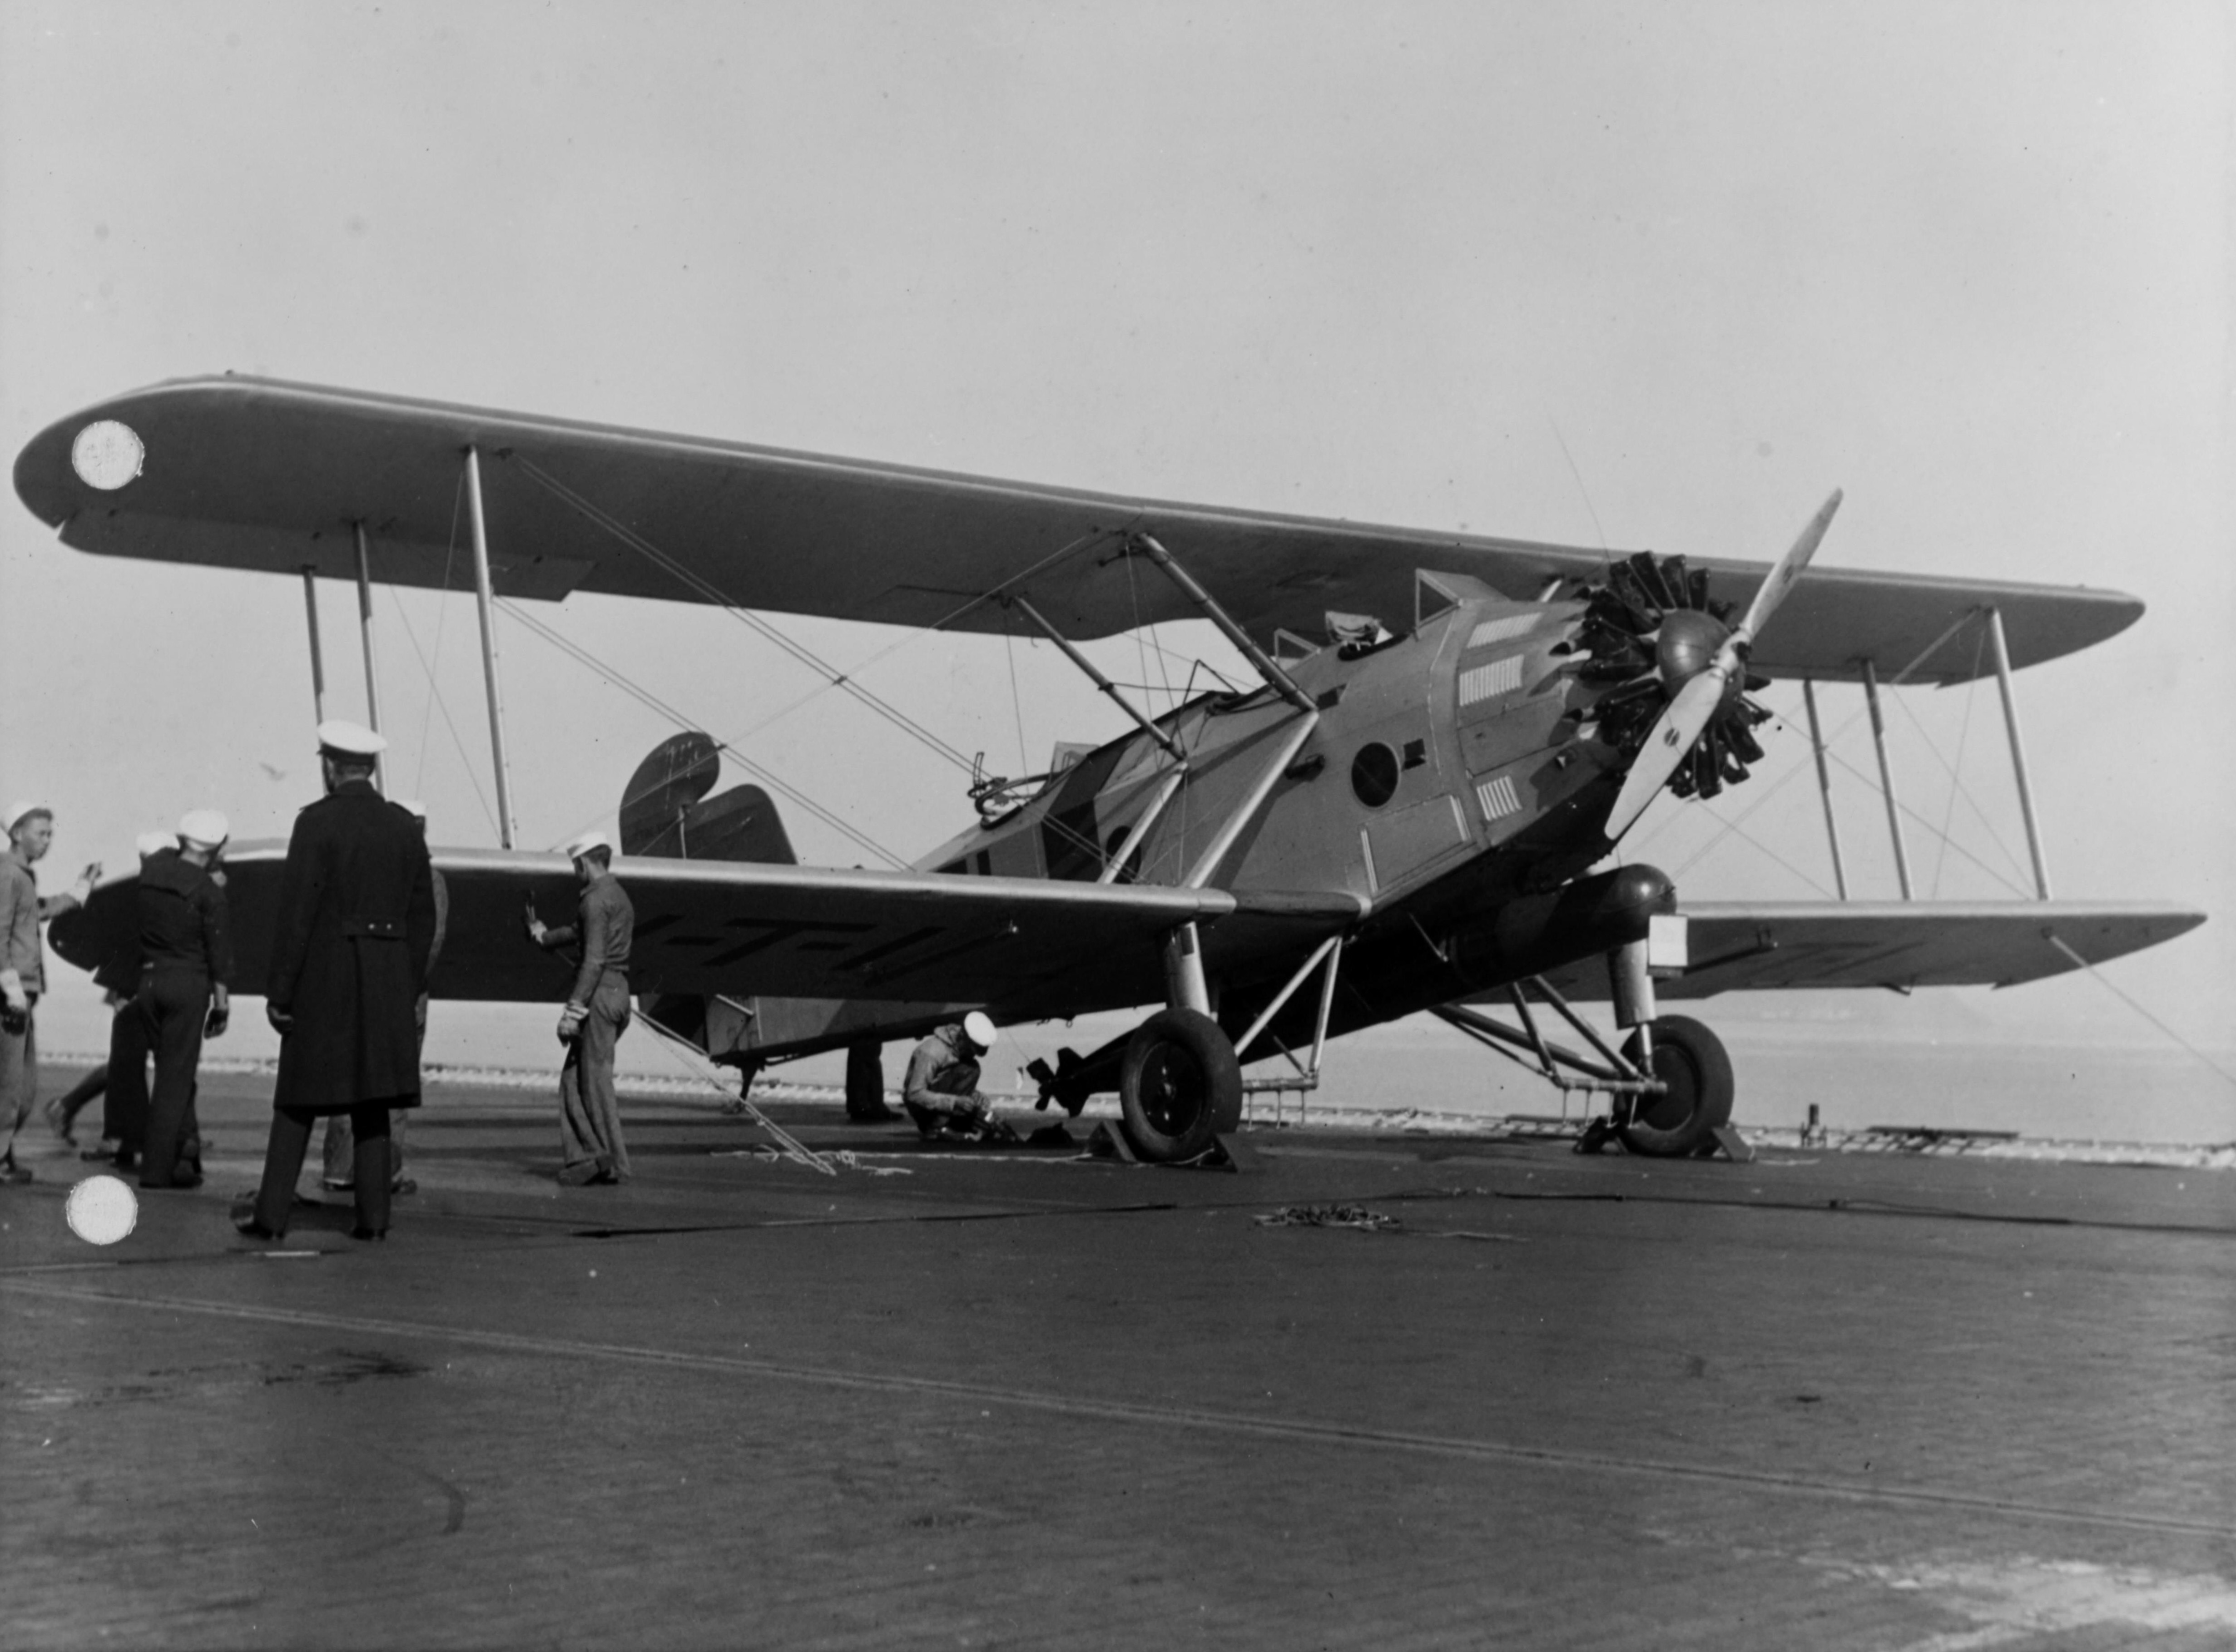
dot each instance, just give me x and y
(653, 702)
(434, 702)
(1962, 791)
(707, 588)
(1963, 738)
(2106, 982)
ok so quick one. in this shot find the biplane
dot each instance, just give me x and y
(1409, 807)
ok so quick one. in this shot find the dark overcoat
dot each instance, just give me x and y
(348, 954)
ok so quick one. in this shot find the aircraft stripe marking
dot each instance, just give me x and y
(1499, 677)
(1498, 797)
(1300, 1430)
(1492, 631)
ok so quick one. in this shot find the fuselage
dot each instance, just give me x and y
(1453, 775)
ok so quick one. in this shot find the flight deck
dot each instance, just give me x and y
(1366, 1390)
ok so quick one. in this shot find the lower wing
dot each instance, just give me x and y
(1765, 946)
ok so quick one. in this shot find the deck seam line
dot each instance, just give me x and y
(1134, 1412)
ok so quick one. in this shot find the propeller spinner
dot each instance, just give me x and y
(1654, 630)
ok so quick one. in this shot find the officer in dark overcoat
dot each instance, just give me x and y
(355, 924)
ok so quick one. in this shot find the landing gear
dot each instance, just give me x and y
(1179, 1085)
(1684, 1119)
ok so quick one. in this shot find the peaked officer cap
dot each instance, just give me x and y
(346, 739)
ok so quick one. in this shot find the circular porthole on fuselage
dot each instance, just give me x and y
(1374, 775)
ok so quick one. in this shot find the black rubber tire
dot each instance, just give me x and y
(1691, 1060)
(865, 1083)
(1179, 1085)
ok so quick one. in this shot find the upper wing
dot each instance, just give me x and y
(1763, 946)
(1024, 948)
(256, 474)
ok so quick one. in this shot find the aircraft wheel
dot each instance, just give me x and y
(1178, 1085)
(1691, 1061)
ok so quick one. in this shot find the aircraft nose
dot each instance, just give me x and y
(1686, 645)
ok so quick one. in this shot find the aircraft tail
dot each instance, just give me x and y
(666, 809)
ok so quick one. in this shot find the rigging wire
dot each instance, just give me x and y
(707, 588)
(1981, 814)
(2106, 981)
(645, 697)
(1963, 737)
(435, 700)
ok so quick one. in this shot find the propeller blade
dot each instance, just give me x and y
(1781, 579)
(1669, 744)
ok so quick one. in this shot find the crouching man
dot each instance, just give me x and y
(941, 1091)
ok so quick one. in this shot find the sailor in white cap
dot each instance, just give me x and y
(118, 977)
(185, 992)
(941, 1091)
(355, 921)
(338, 1155)
(597, 1014)
(31, 827)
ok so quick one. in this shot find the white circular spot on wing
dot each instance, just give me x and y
(106, 455)
(101, 1209)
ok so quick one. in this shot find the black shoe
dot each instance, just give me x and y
(248, 1227)
(124, 1161)
(12, 1172)
(368, 1234)
(181, 1181)
(401, 1185)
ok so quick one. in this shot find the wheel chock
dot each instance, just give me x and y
(1239, 1156)
(1736, 1147)
(1109, 1141)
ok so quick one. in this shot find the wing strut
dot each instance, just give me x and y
(1280, 681)
(2018, 750)
(1886, 777)
(506, 830)
(365, 636)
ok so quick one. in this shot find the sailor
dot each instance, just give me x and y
(941, 1091)
(339, 1153)
(118, 977)
(597, 1014)
(184, 991)
(23, 959)
(355, 922)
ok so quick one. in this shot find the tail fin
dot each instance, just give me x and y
(666, 809)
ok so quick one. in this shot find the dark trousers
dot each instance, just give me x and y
(589, 1113)
(124, 1107)
(176, 1003)
(283, 1166)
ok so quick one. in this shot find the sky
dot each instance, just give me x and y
(1640, 276)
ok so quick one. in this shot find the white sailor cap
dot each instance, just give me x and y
(978, 1027)
(204, 828)
(347, 739)
(586, 843)
(412, 807)
(18, 812)
(153, 843)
